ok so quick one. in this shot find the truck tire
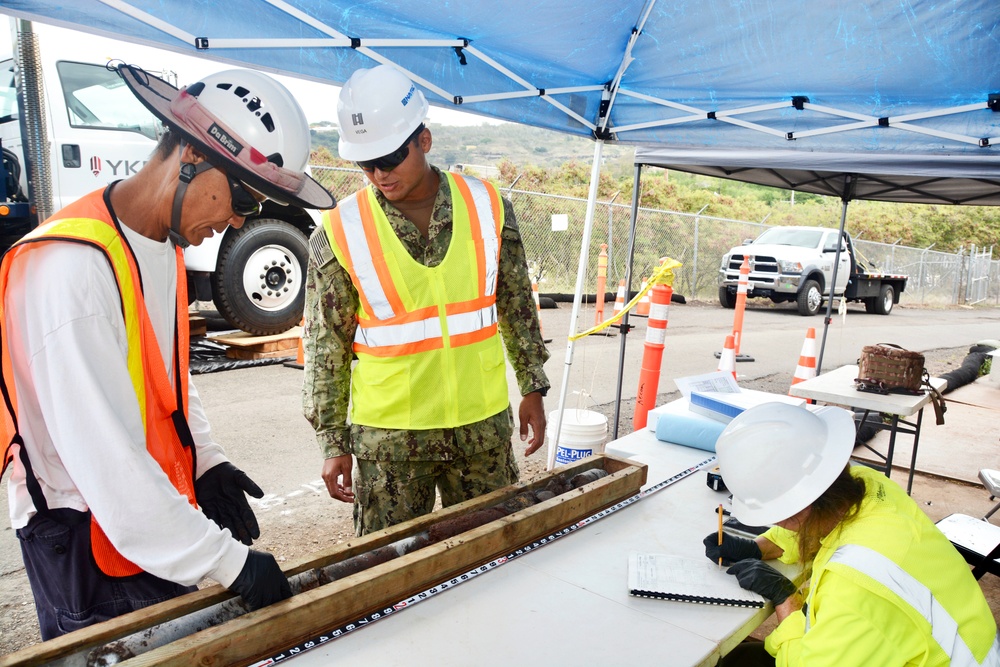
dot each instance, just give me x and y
(809, 299)
(882, 304)
(726, 298)
(259, 282)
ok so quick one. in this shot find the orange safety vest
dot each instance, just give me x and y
(168, 439)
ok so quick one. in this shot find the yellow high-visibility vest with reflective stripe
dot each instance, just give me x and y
(429, 352)
(896, 559)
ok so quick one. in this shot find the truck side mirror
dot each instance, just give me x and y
(747, 241)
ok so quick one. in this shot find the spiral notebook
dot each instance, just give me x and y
(686, 580)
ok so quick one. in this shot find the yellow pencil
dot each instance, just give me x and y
(720, 533)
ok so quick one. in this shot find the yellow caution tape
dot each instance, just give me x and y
(664, 275)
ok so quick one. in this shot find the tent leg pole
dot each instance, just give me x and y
(588, 223)
(624, 329)
(848, 192)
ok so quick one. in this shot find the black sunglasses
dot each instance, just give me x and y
(244, 203)
(393, 159)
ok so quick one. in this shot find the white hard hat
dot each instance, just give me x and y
(378, 109)
(261, 111)
(776, 458)
(245, 122)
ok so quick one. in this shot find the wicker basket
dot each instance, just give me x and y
(891, 367)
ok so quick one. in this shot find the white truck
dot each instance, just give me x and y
(796, 264)
(95, 132)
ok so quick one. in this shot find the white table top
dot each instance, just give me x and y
(567, 603)
(838, 387)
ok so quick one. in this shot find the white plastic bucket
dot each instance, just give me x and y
(583, 432)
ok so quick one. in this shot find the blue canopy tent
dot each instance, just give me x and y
(861, 79)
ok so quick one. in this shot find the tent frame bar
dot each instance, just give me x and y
(625, 328)
(581, 272)
(615, 86)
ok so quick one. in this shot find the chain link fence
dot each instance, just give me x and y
(552, 230)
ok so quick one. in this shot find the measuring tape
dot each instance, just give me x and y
(319, 640)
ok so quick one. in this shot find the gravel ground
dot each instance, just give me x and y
(291, 535)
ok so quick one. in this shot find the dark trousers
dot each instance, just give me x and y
(70, 591)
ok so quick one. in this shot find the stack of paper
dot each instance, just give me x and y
(723, 406)
(685, 579)
(709, 402)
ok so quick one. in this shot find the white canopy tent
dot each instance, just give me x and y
(855, 78)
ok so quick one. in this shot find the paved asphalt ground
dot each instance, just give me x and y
(256, 413)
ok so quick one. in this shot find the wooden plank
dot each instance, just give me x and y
(197, 325)
(270, 346)
(280, 626)
(284, 624)
(243, 339)
(236, 353)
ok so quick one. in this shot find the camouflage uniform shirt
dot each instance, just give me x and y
(330, 308)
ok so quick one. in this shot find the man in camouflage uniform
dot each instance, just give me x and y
(398, 470)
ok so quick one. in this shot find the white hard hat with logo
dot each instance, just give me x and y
(246, 122)
(378, 109)
(776, 458)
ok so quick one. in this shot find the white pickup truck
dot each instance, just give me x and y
(796, 264)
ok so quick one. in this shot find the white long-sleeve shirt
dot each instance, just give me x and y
(80, 419)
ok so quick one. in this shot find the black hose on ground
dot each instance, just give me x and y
(549, 300)
(969, 370)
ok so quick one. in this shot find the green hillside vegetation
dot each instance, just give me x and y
(545, 161)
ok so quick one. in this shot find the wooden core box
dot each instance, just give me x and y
(267, 631)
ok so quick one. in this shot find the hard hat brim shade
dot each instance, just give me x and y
(811, 484)
(371, 151)
(278, 184)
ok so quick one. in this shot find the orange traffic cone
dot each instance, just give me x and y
(602, 279)
(620, 298)
(807, 360)
(642, 308)
(741, 303)
(652, 355)
(727, 361)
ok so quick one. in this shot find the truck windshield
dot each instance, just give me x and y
(97, 98)
(803, 238)
(8, 94)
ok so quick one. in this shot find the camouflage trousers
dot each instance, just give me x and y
(391, 492)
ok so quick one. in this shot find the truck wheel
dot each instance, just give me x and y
(259, 281)
(726, 298)
(883, 304)
(809, 298)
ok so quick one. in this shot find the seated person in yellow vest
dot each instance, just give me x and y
(119, 495)
(882, 585)
(417, 276)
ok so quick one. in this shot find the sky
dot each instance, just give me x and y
(319, 101)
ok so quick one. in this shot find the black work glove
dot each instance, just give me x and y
(733, 548)
(221, 494)
(761, 578)
(261, 582)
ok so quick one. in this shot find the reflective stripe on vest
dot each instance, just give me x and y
(391, 330)
(155, 395)
(944, 628)
(424, 330)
